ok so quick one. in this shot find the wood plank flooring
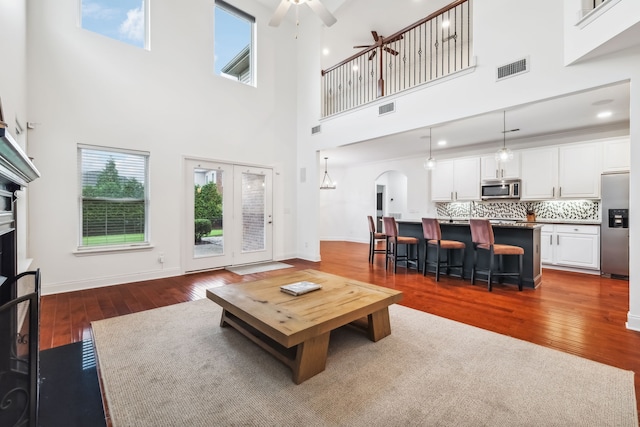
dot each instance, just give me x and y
(575, 313)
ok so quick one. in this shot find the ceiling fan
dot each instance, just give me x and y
(315, 5)
(380, 42)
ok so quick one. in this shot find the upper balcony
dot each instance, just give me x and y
(432, 48)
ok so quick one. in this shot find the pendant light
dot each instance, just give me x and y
(327, 183)
(504, 154)
(430, 163)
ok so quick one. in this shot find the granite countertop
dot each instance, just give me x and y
(511, 222)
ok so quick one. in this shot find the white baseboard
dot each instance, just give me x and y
(56, 288)
(633, 322)
(575, 270)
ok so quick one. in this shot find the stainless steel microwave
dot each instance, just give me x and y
(496, 189)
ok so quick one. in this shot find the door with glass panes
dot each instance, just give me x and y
(229, 215)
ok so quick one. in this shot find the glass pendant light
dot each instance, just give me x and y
(504, 154)
(430, 163)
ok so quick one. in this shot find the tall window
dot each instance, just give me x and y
(123, 20)
(233, 43)
(113, 196)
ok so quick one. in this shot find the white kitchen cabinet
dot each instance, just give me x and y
(457, 179)
(571, 245)
(579, 170)
(539, 173)
(546, 244)
(566, 172)
(616, 155)
(490, 168)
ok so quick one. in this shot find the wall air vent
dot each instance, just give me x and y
(315, 129)
(509, 70)
(387, 108)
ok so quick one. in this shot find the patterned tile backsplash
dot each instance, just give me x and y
(551, 210)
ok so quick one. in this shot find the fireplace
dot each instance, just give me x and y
(19, 297)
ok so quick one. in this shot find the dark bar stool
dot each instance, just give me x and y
(393, 241)
(482, 237)
(374, 237)
(433, 237)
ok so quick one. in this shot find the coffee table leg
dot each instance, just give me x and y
(223, 323)
(379, 326)
(311, 358)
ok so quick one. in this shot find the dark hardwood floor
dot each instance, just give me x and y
(575, 313)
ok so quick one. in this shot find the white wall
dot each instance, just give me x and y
(13, 93)
(85, 88)
(343, 212)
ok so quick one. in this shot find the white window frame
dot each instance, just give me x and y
(252, 45)
(88, 249)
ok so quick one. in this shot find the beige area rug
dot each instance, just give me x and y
(258, 268)
(175, 366)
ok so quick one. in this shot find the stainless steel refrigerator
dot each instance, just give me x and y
(614, 230)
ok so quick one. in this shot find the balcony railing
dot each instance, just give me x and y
(431, 48)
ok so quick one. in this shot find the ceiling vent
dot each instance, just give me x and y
(509, 70)
(387, 108)
(315, 129)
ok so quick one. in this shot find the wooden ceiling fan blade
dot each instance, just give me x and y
(372, 55)
(375, 35)
(361, 47)
(319, 9)
(391, 51)
(280, 12)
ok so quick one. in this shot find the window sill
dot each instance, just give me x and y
(99, 250)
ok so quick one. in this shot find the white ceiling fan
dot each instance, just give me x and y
(315, 5)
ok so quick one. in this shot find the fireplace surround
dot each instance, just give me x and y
(19, 296)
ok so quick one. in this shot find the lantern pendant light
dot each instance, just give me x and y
(327, 183)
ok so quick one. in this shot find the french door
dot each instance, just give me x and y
(228, 215)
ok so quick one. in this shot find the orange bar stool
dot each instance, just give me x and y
(433, 237)
(374, 238)
(483, 240)
(394, 241)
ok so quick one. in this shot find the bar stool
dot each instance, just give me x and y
(482, 237)
(433, 237)
(374, 237)
(393, 242)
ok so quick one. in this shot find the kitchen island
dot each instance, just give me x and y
(523, 234)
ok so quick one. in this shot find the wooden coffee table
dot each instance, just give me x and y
(296, 329)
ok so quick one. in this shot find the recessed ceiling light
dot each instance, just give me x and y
(605, 114)
(445, 24)
(442, 142)
(355, 68)
(325, 51)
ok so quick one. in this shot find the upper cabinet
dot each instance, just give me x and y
(539, 173)
(457, 179)
(580, 168)
(490, 168)
(616, 155)
(571, 171)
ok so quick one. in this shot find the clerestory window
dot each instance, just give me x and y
(233, 43)
(123, 20)
(114, 199)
